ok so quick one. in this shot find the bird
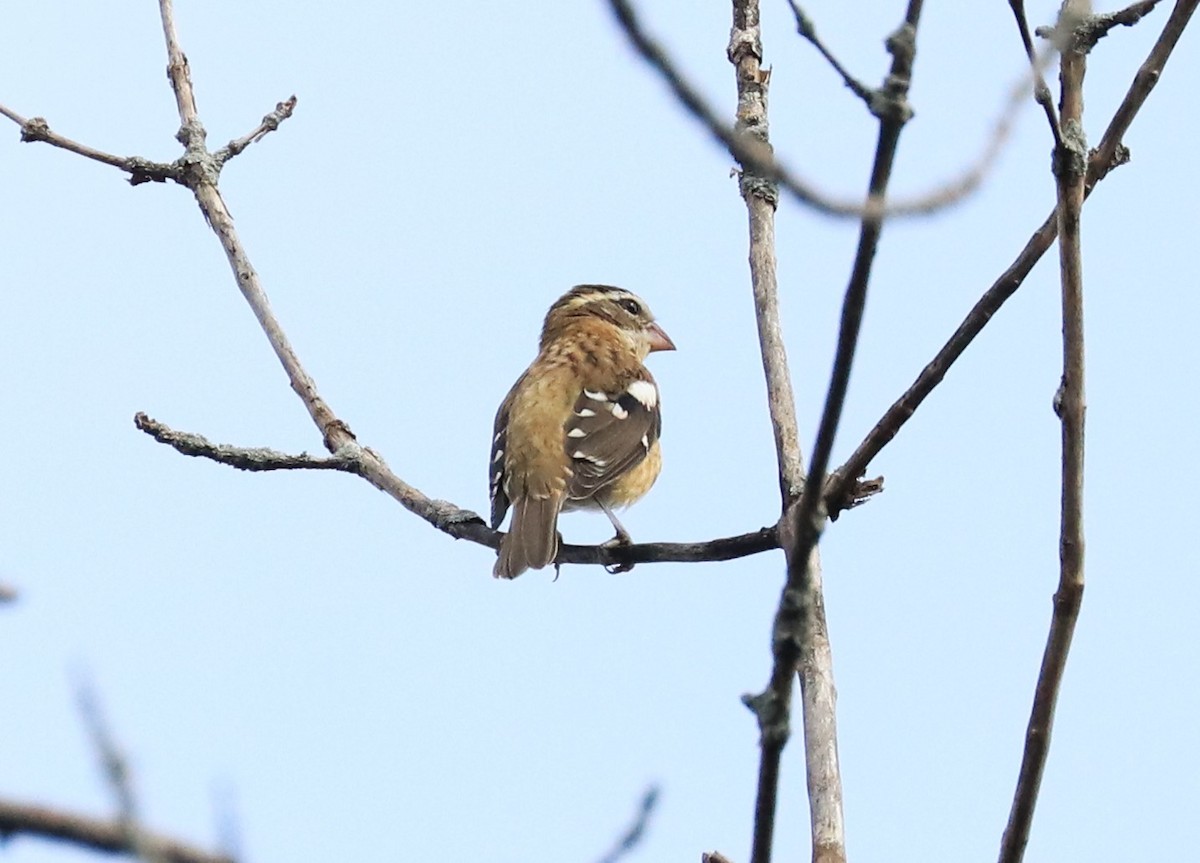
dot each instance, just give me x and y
(580, 428)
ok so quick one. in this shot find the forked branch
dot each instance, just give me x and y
(1109, 154)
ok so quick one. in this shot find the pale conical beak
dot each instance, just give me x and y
(659, 340)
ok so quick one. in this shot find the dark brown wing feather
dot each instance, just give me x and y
(496, 492)
(608, 434)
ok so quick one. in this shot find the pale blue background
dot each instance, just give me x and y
(354, 683)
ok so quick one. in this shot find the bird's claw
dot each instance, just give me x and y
(621, 540)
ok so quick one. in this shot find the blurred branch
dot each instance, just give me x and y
(93, 834)
(115, 769)
(1110, 153)
(636, 830)
(8, 593)
(1070, 171)
(753, 156)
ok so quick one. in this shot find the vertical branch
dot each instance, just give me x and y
(816, 658)
(762, 197)
(799, 637)
(1070, 170)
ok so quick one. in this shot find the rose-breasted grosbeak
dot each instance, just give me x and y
(578, 430)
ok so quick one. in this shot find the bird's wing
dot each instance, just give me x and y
(610, 432)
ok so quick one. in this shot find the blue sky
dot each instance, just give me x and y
(353, 683)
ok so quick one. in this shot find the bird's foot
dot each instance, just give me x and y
(621, 540)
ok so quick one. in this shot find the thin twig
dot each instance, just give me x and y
(244, 458)
(269, 124)
(1070, 169)
(636, 831)
(753, 156)
(1093, 28)
(1110, 153)
(1041, 92)
(140, 170)
(93, 834)
(804, 26)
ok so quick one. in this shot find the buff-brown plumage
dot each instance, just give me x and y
(580, 428)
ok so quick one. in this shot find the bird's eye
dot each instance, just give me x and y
(631, 306)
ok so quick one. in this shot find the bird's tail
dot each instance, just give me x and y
(532, 539)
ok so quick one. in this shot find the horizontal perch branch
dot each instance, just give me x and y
(445, 516)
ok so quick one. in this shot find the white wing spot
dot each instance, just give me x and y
(595, 396)
(576, 433)
(645, 442)
(499, 455)
(499, 435)
(645, 392)
(619, 412)
(598, 462)
(586, 412)
(496, 479)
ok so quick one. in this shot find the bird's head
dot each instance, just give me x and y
(624, 310)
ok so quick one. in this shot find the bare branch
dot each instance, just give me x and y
(804, 26)
(1092, 28)
(1070, 169)
(269, 124)
(1041, 93)
(1109, 154)
(201, 178)
(799, 639)
(759, 194)
(243, 458)
(755, 158)
(632, 837)
(1098, 26)
(140, 170)
(94, 834)
(761, 198)
(714, 857)
(445, 516)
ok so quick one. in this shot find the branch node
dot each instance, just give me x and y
(35, 129)
(773, 718)
(754, 186)
(743, 41)
(1071, 156)
(858, 493)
